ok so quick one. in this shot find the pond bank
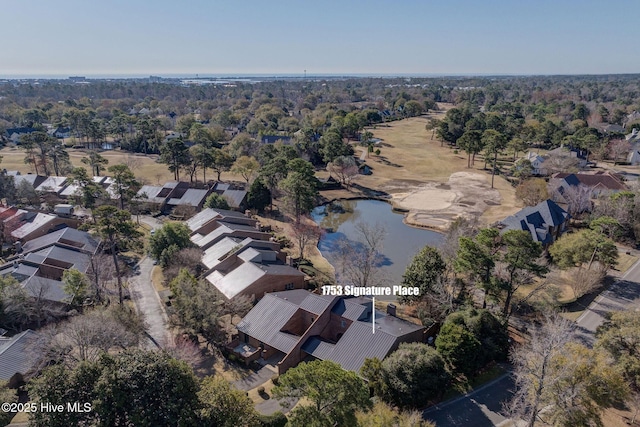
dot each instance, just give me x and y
(429, 205)
(401, 242)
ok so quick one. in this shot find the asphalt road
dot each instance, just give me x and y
(624, 294)
(481, 408)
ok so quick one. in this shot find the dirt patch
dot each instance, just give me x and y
(436, 205)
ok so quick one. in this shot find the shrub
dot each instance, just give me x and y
(277, 419)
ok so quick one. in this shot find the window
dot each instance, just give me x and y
(343, 323)
(288, 287)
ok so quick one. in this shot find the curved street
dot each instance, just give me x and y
(483, 407)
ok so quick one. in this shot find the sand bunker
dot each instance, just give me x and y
(429, 198)
(435, 205)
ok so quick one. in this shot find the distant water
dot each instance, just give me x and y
(401, 242)
(234, 76)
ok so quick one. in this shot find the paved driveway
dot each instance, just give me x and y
(148, 303)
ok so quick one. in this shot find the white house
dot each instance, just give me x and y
(536, 162)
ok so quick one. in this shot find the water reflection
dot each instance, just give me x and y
(401, 242)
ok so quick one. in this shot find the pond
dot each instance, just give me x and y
(401, 242)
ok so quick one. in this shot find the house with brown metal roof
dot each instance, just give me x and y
(600, 182)
(289, 327)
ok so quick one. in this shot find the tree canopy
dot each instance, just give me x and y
(424, 270)
(470, 339)
(409, 377)
(168, 240)
(133, 387)
(334, 394)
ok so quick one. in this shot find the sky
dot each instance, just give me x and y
(348, 37)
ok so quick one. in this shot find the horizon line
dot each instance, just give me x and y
(197, 76)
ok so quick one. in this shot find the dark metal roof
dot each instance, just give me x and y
(66, 236)
(80, 261)
(191, 197)
(265, 321)
(235, 198)
(359, 342)
(48, 289)
(352, 310)
(14, 357)
(315, 304)
(202, 218)
(318, 348)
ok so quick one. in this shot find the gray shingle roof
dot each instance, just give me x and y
(537, 220)
(14, 357)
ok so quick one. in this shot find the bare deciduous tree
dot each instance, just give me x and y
(583, 280)
(560, 162)
(238, 306)
(577, 198)
(360, 260)
(618, 148)
(186, 350)
(532, 191)
(306, 232)
(188, 258)
(344, 168)
(100, 272)
(86, 337)
(532, 367)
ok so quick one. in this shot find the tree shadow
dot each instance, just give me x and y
(330, 246)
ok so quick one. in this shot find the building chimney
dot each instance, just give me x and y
(391, 309)
(247, 213)
(289, 261)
